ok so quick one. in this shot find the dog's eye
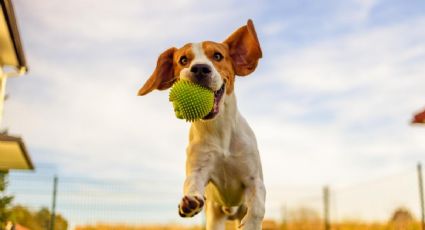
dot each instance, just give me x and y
(218, 56)
(183, 60)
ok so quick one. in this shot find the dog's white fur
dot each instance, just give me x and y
(223, 168)
(223, 155)
(201, 58)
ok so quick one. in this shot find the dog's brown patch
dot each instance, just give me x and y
(186, 50)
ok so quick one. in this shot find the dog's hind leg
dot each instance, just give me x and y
(255, 199)
(216, 219)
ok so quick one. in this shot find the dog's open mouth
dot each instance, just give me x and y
(217, 98)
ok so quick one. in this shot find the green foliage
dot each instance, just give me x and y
(39, 220)
(43, 217)
(5, 201)
(23, 216)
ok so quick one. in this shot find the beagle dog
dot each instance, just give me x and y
(223, 167)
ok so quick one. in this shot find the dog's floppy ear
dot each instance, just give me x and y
(163, 75)
(244, 49)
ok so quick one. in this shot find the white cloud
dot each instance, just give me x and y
(338, 114)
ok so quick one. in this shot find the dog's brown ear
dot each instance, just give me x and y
(244, 49)
(163, 75)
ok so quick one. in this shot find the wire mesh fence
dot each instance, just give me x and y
(84, 202)
(376, 202)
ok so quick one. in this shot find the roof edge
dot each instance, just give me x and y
(12, 25)
(21, 144)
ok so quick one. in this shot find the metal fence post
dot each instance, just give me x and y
(421, 195)
(53, 214)
(326, 208)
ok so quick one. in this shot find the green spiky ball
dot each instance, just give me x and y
(191, 101)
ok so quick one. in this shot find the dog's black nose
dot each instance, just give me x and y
(201, 71)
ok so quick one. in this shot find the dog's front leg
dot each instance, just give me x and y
(255, 200)
(193, 199)
(197, 177)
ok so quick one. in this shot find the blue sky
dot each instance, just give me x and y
(330, 101)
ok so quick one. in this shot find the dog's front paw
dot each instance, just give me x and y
(190, 206)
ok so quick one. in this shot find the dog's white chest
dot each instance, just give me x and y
(226, 184)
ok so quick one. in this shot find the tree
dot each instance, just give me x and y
(39, 220)
(5, 200)
(43, 217)
(22, 216)
(402, 218)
